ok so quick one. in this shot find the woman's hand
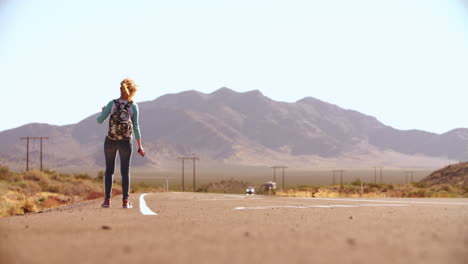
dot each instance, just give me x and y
(141, 151)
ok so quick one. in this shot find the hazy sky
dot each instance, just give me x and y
(402, 61)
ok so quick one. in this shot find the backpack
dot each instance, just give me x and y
(120, 122)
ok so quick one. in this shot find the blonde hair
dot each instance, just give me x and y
(128, 88)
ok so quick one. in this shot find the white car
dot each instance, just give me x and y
(250, 191)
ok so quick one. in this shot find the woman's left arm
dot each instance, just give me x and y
(105, 112)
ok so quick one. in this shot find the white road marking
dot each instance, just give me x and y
(318, 206)
(235, 196)
(268, 207)
(144, 209)
(383, 205)
(380, 201)
(225, 199)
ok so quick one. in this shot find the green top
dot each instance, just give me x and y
(133, 111)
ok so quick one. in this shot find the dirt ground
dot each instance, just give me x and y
(219, 228)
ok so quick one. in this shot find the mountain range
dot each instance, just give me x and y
(246, 129)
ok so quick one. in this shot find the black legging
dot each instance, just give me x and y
(124, 147)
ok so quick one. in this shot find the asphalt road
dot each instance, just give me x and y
(219, 228)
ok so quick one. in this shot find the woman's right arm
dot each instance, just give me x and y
(105, 112)
(136, 130)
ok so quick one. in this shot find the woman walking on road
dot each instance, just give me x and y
(123, 122)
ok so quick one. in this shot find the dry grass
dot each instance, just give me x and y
(227, 186)
(33, 191)
(378, 190)
(140, 187)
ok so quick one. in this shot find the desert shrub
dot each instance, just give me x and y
(349, 189)
(357, 182)
(144, 187)
(27, 187)
(15, 210)
(386, 187)
(14, 188)
(54, 201)
(50, 202)
(395, 193)
(36, 176)
(18, 177)
(116, 191)
(100, 176)
(29, 206)
(83, 176)
(226, 186)
(308, 188)
(48, 171)
(420, 193)
(443, 194)
(59, 177)
(54, 188)
(94, 195)
(23, 207)
(13, 177)
(419, 184)
(203, 188)
(374, 185)
(5, 173)
(442, 188)
(465, 189)
(4, 169)
(77, 189)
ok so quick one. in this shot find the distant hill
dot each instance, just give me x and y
(245, 129)
(456, 174)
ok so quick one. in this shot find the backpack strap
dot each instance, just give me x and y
(127, 106)
(117, 104)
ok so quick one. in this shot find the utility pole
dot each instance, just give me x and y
(341, 176)
(167, 184)
(188, 158)
(274, 173)
(407, 174)
(375, 174)
(381, 181)
(27, 149)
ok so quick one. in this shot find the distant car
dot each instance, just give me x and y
(250, 191)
